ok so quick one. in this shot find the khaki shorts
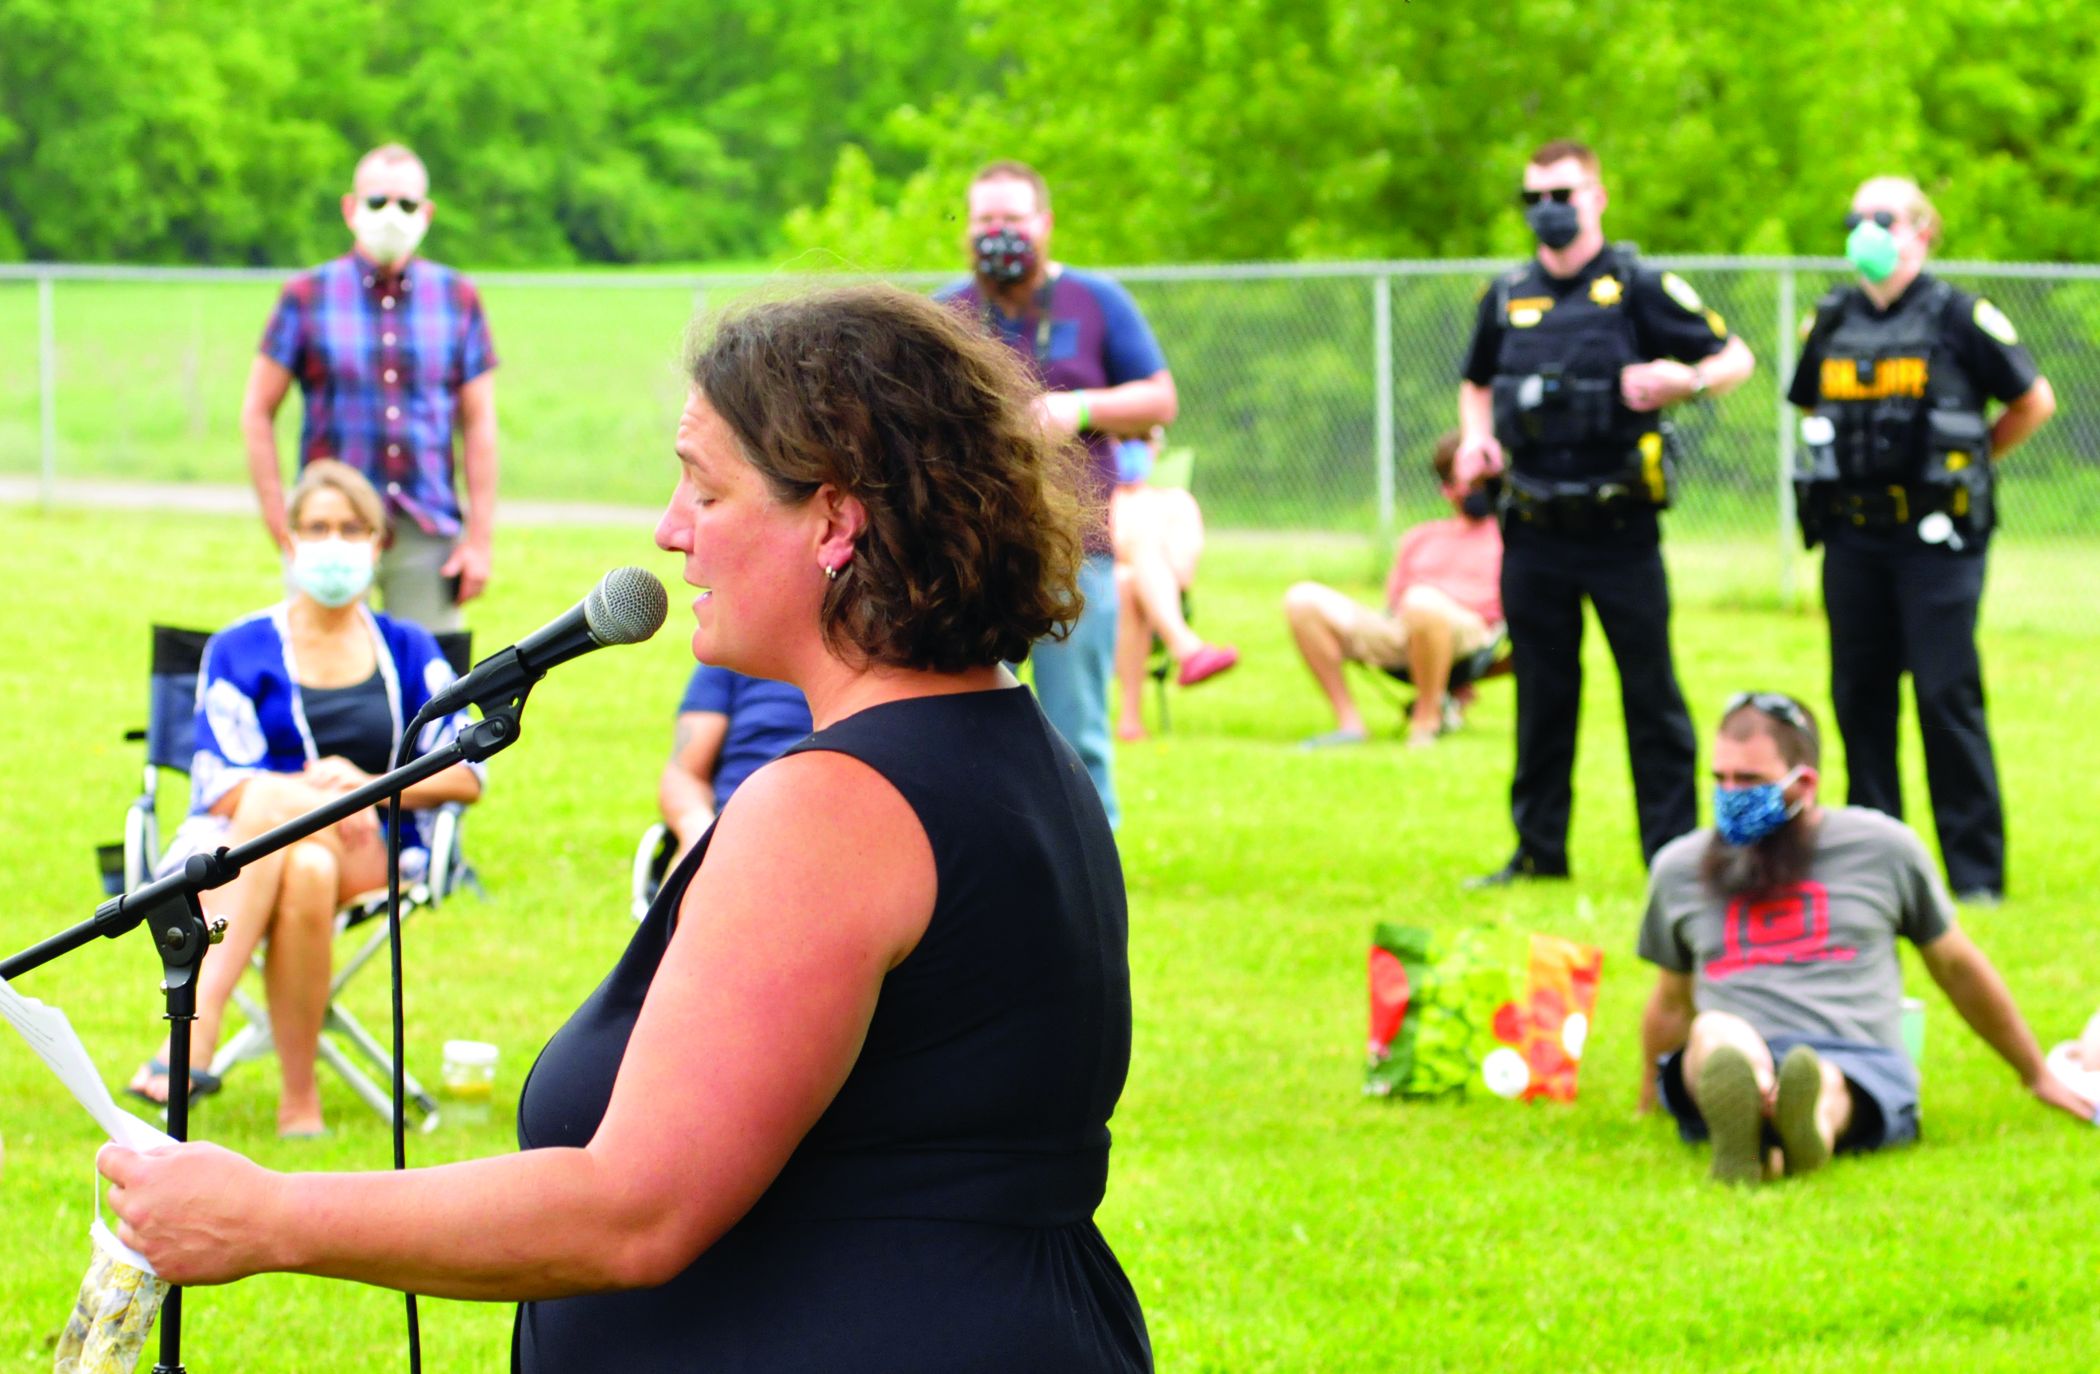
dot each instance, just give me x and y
(410, 585)
(1380, 640)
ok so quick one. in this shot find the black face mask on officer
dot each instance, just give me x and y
(1478, 503)
(1003, 257)
(1555, 222)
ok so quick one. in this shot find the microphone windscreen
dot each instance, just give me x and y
(626, 607)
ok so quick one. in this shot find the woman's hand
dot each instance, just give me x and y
(200, 1213)
(333, 777)
(335, 774)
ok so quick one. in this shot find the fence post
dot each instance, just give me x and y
(1783, 373)
(1382, 361)
(47, 395)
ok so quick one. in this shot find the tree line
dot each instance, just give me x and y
(793, 132)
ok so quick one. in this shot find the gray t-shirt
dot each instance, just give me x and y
(1818, 958)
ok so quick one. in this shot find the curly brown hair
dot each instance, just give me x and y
(974, 537)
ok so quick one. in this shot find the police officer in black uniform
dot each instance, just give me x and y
(1896, 479)
(1573, 357)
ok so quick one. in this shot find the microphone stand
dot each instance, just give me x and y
(170, 910)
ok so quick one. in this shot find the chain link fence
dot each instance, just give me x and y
(1311, 393)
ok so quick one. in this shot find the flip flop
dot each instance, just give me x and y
(203, 1082)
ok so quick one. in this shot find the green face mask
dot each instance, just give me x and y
(1872, 249)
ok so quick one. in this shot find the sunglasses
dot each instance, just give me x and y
(1778, 705)
(1885, 218)
(1559, 195)
(408, 204)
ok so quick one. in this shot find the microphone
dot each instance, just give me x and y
(626, 607)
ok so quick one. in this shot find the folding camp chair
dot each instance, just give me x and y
(652, 860)
(178, 656)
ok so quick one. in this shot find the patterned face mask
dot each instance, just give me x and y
(113, 1314)
(1745, 815)
(1003, 256)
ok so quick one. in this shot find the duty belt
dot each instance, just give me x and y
(1875, 508)
(1573, 508)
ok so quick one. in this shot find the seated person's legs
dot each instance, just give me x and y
(1133, 646)
(320, 874)
(253, 906)
(1159, 539)
(1331, 629)
(1438, 631)
(1785, 1105)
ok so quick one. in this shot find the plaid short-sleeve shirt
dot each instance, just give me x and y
(380, 360)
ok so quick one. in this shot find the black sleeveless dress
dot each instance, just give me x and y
(939, 1215)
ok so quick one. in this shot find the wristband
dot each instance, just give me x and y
(1085, 420)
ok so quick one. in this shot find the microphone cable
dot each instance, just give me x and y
(393, 934)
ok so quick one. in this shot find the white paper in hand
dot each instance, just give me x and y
(55, 1042)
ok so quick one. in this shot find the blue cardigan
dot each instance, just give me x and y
(251, 717)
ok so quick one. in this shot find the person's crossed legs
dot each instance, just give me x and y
(291, 897)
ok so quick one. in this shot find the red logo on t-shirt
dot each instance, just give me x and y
(1791, 926)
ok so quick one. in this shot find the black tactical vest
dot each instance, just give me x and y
(1557, 409)
(1898, 401)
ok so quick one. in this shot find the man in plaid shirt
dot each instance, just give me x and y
(392, 354)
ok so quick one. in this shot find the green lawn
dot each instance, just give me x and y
(1271, 1217)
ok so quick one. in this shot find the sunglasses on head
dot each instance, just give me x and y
(1885, 218)
(408, 204)
(1777, 705)
(1559, 195)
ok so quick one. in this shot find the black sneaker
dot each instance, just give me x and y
(1521, 867)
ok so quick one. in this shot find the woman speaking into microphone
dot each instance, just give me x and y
(843, 1102)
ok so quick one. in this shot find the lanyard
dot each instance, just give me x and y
(1043, 321)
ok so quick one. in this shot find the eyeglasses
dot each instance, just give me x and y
(355, 531)
(1559, 195)
(1885, 218)
(1778, 705)
(408, 204)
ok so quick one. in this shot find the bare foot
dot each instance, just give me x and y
(1130, 732)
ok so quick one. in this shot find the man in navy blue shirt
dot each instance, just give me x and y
(1104, 379)
(728, 726)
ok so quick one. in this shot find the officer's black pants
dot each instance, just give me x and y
(1544, 579)
(1896, 610)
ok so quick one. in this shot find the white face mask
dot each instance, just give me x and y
(389, 234)
(334, 572)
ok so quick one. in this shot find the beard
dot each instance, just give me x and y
(1779, 860)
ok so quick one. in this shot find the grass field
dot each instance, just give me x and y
(1270, 1216)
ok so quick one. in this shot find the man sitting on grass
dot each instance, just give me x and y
(1443, 602)
(1786, 913)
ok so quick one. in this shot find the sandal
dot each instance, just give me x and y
(203, 1082)
(1206, 663)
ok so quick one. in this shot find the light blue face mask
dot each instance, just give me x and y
(1133, 461)
(334, 572)
(1872, 250)
(1745, 815)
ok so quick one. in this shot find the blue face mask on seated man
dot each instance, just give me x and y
(1745, 815)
